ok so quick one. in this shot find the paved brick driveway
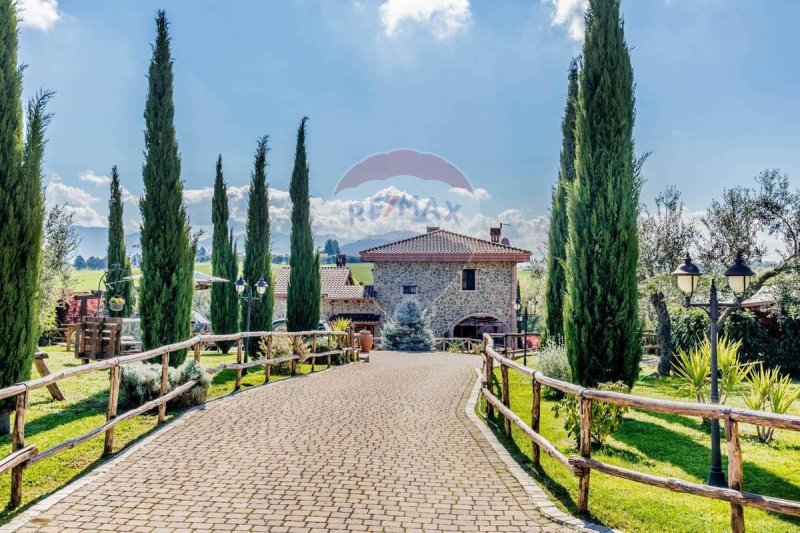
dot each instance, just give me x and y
(383, 446)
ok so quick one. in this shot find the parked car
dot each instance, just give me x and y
(280, 325)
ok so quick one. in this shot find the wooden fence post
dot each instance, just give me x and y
(238, 383)
(489, 383)
(162, 408)
(197, 352)
(351, 340)
(268, 368)
(734, 471)
(17, 443)
(296, 350)
(506, 397)
(586, 451)
(313, 351)
(111, 412)
(536, 408)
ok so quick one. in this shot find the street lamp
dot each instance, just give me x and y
(688, 276)
(261, 288)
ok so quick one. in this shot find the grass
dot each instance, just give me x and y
(87, 280)
(49, 423)
(667, 445)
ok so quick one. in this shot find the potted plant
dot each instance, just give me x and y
(116, 303)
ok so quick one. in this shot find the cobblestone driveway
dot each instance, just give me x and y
(383, 446)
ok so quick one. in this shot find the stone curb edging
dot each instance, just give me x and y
(49, 501)
(534, 491)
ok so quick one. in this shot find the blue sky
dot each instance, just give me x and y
(479, 83)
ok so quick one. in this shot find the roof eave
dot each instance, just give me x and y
(506, 257)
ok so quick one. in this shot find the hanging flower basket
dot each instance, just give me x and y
(116, 304)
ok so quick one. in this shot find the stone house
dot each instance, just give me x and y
(341, 297)
(466, 285)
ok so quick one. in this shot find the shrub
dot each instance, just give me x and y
(693, 368)
(190, 371)
(408, 330)
(553, 362)
(606, 418)
(140, 383)
(282, 347)
(689, 327)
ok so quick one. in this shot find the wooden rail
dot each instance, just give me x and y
(583, 464)
(23, 456)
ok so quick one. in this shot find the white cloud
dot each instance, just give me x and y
(569, 13)
(443, 18)
(128, 196)
(478, 193)
(39, 14)
(89, 176)
(77, 201)
(195, 196)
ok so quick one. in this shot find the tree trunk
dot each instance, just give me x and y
(663, 333)
(5, 422)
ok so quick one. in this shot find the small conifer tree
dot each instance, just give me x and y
(408, 330)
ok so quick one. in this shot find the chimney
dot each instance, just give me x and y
(341, 260)
(494, 233)
(432, 229)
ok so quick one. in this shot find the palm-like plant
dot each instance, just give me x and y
(693, 367)
(770, 390)
(732, 372)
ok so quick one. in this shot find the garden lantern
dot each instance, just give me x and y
(688, 276)
(261, 286)
(240, 285)
(739, 275)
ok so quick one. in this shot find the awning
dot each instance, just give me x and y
(201, 280)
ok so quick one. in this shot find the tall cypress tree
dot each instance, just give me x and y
(303, 292)
(224, 300)
(21, 214)
(601, 324)
(257, 256)
(167, 250)
(116, 285)
(557, 237)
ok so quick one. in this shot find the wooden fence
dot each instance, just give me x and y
(23, 456)
(582, 465)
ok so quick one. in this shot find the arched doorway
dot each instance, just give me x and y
(474, 326)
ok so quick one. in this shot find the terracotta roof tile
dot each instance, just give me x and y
(443, 245)
(337, 284)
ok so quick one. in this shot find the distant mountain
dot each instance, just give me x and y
(93, 241)
(353, 248)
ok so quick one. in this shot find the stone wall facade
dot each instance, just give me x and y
(439, 291)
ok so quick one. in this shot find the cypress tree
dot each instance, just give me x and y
(115, 284)
(303, 292)
(167, 250)
(601, 325)
(21, 214)
(257, 257)
(224, 300)
(557, 237)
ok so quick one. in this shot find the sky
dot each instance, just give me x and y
(479, 84)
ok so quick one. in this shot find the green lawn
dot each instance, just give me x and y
(50, 422)
(660, 444)
(87, 280)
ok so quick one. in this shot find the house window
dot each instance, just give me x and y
(409, 289)
(468, 279)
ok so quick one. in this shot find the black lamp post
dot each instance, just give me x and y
(738, 275)
(524, 316)
(261, 288)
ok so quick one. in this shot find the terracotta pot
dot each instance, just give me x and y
(366, 340)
